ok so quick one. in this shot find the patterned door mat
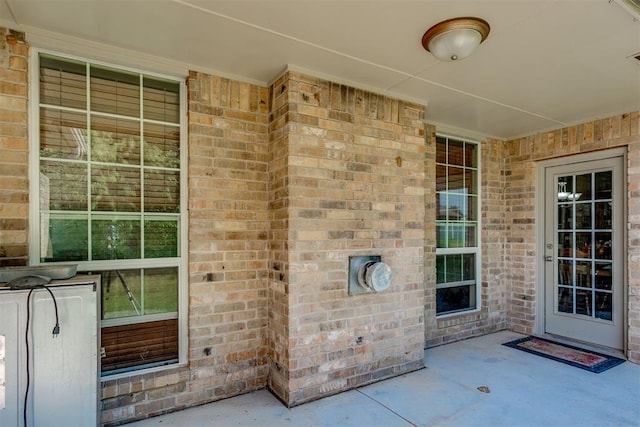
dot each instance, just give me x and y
(574, 356)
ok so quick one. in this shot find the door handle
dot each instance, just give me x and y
(548, 258)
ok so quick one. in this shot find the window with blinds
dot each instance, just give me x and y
(109, 198)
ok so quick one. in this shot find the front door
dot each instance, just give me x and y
(584, 251)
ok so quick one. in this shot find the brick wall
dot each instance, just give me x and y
(522, 154)
(355, 186)
(14, 149)
(228, 236)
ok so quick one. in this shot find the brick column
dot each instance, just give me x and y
(347, 179)
(14, 149)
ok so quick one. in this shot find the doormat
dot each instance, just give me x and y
(574, 356)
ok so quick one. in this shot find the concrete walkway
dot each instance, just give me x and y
(524, 390)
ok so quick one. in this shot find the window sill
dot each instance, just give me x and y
(458, 314)
(164, 369)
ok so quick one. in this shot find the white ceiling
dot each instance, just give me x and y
(546, 63)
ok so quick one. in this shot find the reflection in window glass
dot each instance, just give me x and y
(63, 134)
(66, 238)
(115, 239)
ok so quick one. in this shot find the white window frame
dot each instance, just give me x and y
(34, 202)
(477, 250)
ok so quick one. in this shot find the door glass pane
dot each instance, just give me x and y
(583, 274)
(565, 244)
(603, 275)
(584, 281)
(603, 245)
(583, 302)
(565, 216)
(583, 187)
(565, 272)
(565, 299)
(583, 245)
(583, 216)
(603, 215)
(603, 185)
(565, 188)
(604, 308)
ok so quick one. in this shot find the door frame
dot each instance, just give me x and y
(540, 264)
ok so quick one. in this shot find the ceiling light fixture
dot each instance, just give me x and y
(456, 38)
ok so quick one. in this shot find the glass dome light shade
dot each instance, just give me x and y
(455, 39)
(455, 44)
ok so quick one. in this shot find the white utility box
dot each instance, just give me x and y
(62, 371)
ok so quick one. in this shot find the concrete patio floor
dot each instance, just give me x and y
(524, 390)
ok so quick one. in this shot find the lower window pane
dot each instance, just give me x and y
(453, 267)
(456, 298)
(135, 292)
(160, 290)
(121, 294)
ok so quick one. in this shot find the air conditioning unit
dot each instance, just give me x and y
(56, 372)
